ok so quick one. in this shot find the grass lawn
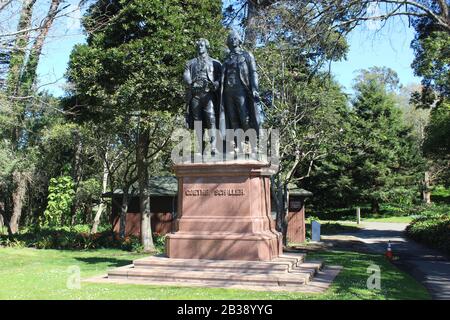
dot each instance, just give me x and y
(398, 219)
(350, 223)
(42, 274)
(334, 227)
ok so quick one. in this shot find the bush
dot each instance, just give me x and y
(159, 241)
(61, 238)
(61, 194)
(432, 227)
(76, 238)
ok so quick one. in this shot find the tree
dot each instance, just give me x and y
(130, 69)
(386, 159)
(23, 49)
(306, 107)
(309, 123)
(292, 41)
(377, 157)
(418, 118)
(436, 144)
(430, 19)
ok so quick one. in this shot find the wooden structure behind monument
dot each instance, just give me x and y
(224, 212)
(296, 232)
(163, 199)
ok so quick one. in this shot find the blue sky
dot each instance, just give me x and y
(389, 47)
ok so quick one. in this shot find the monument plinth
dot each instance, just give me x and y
(225, 235)
(224, 212)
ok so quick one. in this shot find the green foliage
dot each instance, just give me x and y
(135, 54)
(432, 61)
(131, 243)
(441, 194)
(88, 192)
(5, 241)
(60, 197)
(77, 237)
(437, 141)
(160, 242)
(432, 227)
(306, 108)
(383, 76)
(436, 145)
(7, 162)
(377, 157)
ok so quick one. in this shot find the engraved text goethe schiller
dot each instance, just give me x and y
(217, 192)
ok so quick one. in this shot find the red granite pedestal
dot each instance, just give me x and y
(226, 236)
(224, 212)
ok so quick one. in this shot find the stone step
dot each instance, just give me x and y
(287, 270)
(212, 278)
(311, 267)
(282, 264)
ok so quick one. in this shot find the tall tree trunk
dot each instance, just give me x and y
(2, 223)
(2, 212)
(250, 23)
(21, 76)
(375, 206)
(123, 213)
(144, 193)
(426, 191)
(279, 194)
(76, 173)
(36, 49)
(285, 213)
(18, 195)
(17, 66)
(18, 55)
(101, 206)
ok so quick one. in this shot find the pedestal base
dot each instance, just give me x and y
(224, 213)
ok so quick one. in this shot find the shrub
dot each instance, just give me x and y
(432, 227)
(13, 243)
(61, 238)
(60, 197)
(76, 238)
(160, 242)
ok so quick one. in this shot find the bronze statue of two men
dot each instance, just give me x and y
(223, 96)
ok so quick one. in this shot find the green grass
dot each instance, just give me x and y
(441, 195)
(388, 213)
(397, 219)
(335, 227)
(42, 274)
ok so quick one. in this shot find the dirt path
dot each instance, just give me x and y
(428, 266)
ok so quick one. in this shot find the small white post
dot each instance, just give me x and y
(315, 234)
(358, 215)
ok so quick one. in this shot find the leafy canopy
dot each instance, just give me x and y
(135, 54)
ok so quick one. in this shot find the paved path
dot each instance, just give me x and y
(428, 266)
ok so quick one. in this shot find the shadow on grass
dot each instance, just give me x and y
(441, 199)
(349, 213)
(336, 228)
(331, 228)
(351, 282)
(110, 262)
